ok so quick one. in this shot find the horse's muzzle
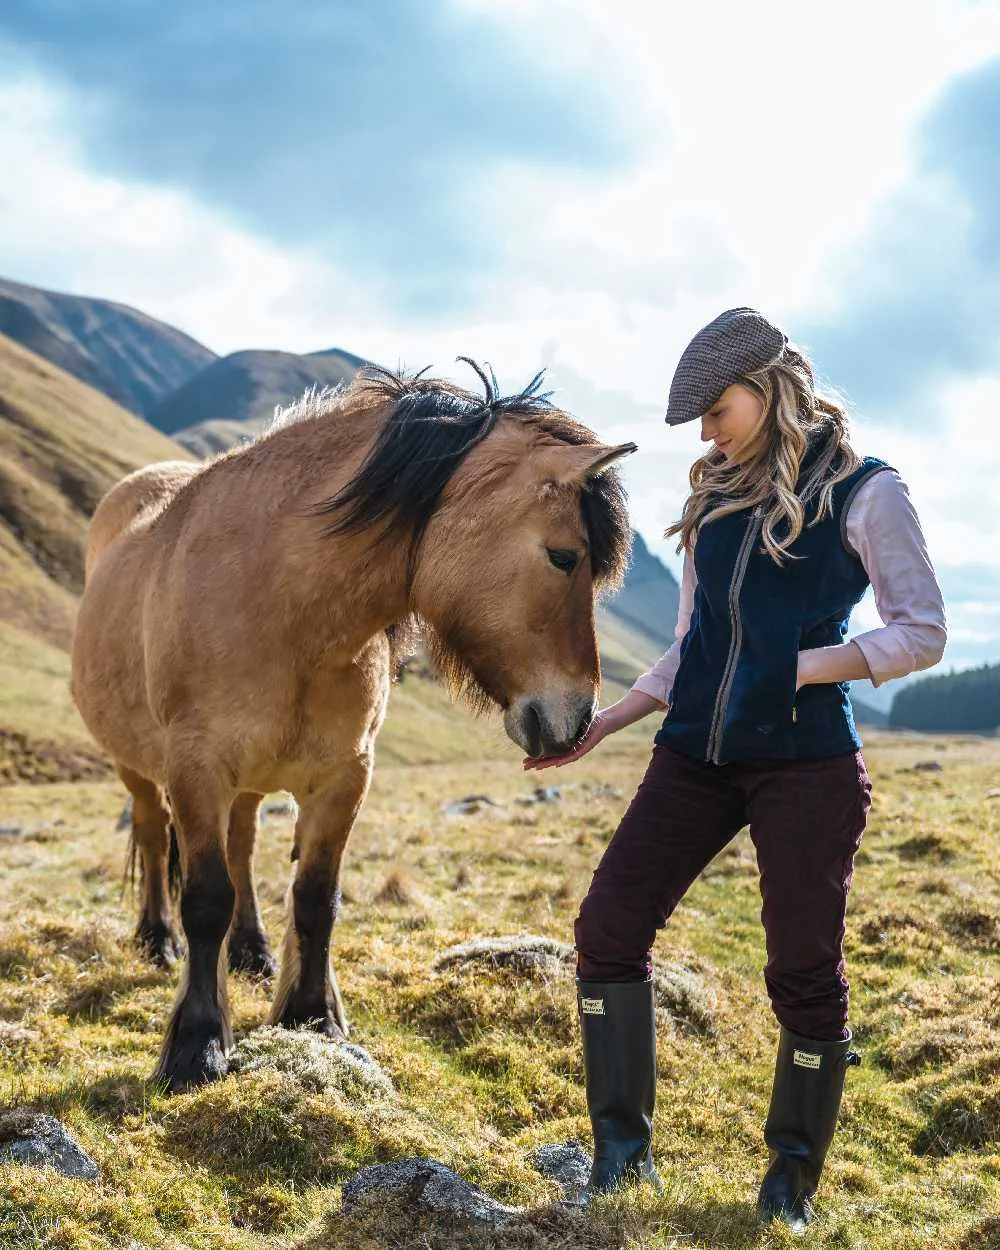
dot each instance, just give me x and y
(544, 727)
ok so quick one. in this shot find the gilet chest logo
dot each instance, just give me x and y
(592, 1006)
(803, 1059)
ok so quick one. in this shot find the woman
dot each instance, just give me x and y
(783, 531)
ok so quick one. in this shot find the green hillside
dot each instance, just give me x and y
(62, 445)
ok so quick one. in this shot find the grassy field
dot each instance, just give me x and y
(486, 1064)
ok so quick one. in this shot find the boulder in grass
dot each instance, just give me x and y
(566, 1163)
(42, 1141)
(426, 1186)
(318, 1063)
(523, 954)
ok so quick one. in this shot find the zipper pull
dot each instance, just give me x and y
(795, 714)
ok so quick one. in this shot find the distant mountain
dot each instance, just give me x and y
(864, 714)
(649, 599)
(130, 357)
(246, 387)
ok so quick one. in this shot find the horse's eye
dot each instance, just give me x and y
(564, 560)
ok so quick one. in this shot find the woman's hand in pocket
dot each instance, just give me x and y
(598, 731)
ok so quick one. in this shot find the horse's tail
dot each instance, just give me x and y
(133, 865)
(147, 489)
(131, 860)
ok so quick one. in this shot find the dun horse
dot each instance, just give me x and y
(237, 635)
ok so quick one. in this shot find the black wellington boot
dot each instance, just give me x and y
(618, 1025)
(805, 1100)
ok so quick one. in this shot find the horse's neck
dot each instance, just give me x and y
(344, 583)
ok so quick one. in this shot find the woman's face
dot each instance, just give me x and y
(732, 424)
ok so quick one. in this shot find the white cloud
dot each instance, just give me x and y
(765, 140)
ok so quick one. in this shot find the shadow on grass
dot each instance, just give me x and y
(96, 995)
(638, 1221)
(733, 1225)
(113, 1098)
(389, 1224)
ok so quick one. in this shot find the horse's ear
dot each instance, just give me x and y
(579, 463)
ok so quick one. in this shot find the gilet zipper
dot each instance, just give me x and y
(712, 755)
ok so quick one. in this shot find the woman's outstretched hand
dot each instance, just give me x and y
(598, 731)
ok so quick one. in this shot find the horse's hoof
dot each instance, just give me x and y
(159, 943)
(191, 1062)
(318, 1019)
(249, 951)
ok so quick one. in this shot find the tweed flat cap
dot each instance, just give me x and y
(738, 342)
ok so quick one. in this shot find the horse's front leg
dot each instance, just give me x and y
(199, 1033)
(307, 990)
(249, 950)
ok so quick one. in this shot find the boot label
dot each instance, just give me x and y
(803, 1059)
(592, 1006)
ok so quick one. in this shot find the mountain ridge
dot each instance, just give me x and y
(130, 356)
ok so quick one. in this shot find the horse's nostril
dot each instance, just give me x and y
(533, 727)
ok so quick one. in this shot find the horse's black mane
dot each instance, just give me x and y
(432, 427)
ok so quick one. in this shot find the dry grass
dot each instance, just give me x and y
(482, 1050)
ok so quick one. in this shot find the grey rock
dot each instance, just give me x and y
(470, 804)
(278, 807)
(567, 1163)
(426, 1185)
(541, 794)
(15, 1037)
(928, 766)
(993, 794)
(42, 1141)
(10, 831)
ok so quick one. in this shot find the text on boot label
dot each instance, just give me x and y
(592, 1006)
(803, 1059)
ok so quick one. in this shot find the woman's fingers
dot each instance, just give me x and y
(556, 761)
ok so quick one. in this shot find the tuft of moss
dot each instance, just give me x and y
(983, 1235)
(964, 1118)
(932, 1044)
(686, 998)
(266, 1126)
(317, 1063)
(525, 954)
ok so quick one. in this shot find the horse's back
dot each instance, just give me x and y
(142, 494)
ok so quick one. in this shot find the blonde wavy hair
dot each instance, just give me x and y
(795, 417)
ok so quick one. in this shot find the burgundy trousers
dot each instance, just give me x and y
(806, 819)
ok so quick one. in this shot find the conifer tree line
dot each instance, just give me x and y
(965, 702)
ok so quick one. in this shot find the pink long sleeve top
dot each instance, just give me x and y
(883, 531)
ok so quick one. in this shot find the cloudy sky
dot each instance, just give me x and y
(564, 183)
